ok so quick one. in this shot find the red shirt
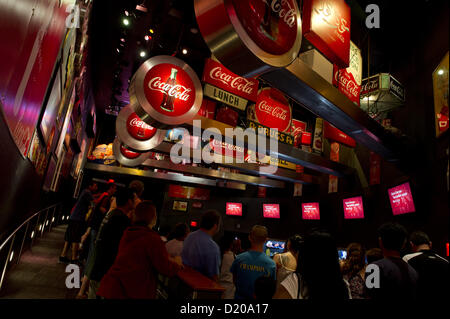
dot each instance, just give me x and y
(142, 254)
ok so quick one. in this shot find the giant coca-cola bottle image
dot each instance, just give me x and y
(269, 24)
(167, 102)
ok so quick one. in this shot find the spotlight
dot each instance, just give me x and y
(122, 40)
(32, 234)
(11, 257)
(440, 72)
(151, 31)
(184, 51)
(125, 21)
(142, 54)
(126, 13)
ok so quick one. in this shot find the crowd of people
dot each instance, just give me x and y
(123, 256)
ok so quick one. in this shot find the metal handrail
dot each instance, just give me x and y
(26, 221)
(11, 238)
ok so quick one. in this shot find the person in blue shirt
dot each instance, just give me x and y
(249, 266)
(200, 251)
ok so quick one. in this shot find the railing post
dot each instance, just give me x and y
(7, 261)
(23, 241)
(45, 220)
(53, 218)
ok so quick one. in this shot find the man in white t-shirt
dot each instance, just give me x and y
(175, 246)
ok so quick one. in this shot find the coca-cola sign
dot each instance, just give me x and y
(259, 34)
(139, 129)
(347, 84)
(349, 80)
(126, 156)
(273, 113)
(297, 129)
(370, 85)
(326, 24)
(135, 133)
(165, 92)
(223, 148)
(217, 75)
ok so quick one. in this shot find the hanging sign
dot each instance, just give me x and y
(333, 180)
(126, 156)
(326, 24)
(165, 92)
(135, 133)
(318, 136)
(250, 37)
(225, 97)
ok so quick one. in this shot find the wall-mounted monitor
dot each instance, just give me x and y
(271, 210)
(310, 211)
(353, 207)
(234, 209)
(401, 199)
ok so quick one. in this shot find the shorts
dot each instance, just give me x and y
(74, 231)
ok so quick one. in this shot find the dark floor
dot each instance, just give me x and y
(39, 275)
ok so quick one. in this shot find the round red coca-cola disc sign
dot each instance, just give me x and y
(135, 133)
(272, 24)
(139, 129)
(272, 109)
(165, 92)
(127, 157)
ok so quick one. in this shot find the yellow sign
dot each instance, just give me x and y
(267, 131)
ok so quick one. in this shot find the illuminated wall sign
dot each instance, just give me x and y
(353, 208)
(401, 199)
(178, 191)
(280, 136)
(349, 80)
(254, 35)
(271, 210)
(135, 133)
(234, 209)
(165, 92)
(326, 24)
(310, 211)
(225, 97)
(219, 76)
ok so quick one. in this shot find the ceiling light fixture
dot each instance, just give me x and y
(184, 51)
(126, 13)
(151, 31)
(142, 54)
(440, 72)
(126, 21)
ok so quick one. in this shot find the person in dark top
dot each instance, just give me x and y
(397, 279)
(141, 256)
(433, 269)
(77, 223)
(108, 239)
(102, 205)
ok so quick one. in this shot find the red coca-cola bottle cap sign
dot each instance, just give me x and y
(165, 92)
(272, 24)
(126, 156)
(138, 129)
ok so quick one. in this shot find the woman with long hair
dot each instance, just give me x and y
(318, 274)
(287, 262)
(353, 270)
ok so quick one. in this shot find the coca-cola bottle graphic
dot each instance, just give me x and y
(167, 102)
(269, 24)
